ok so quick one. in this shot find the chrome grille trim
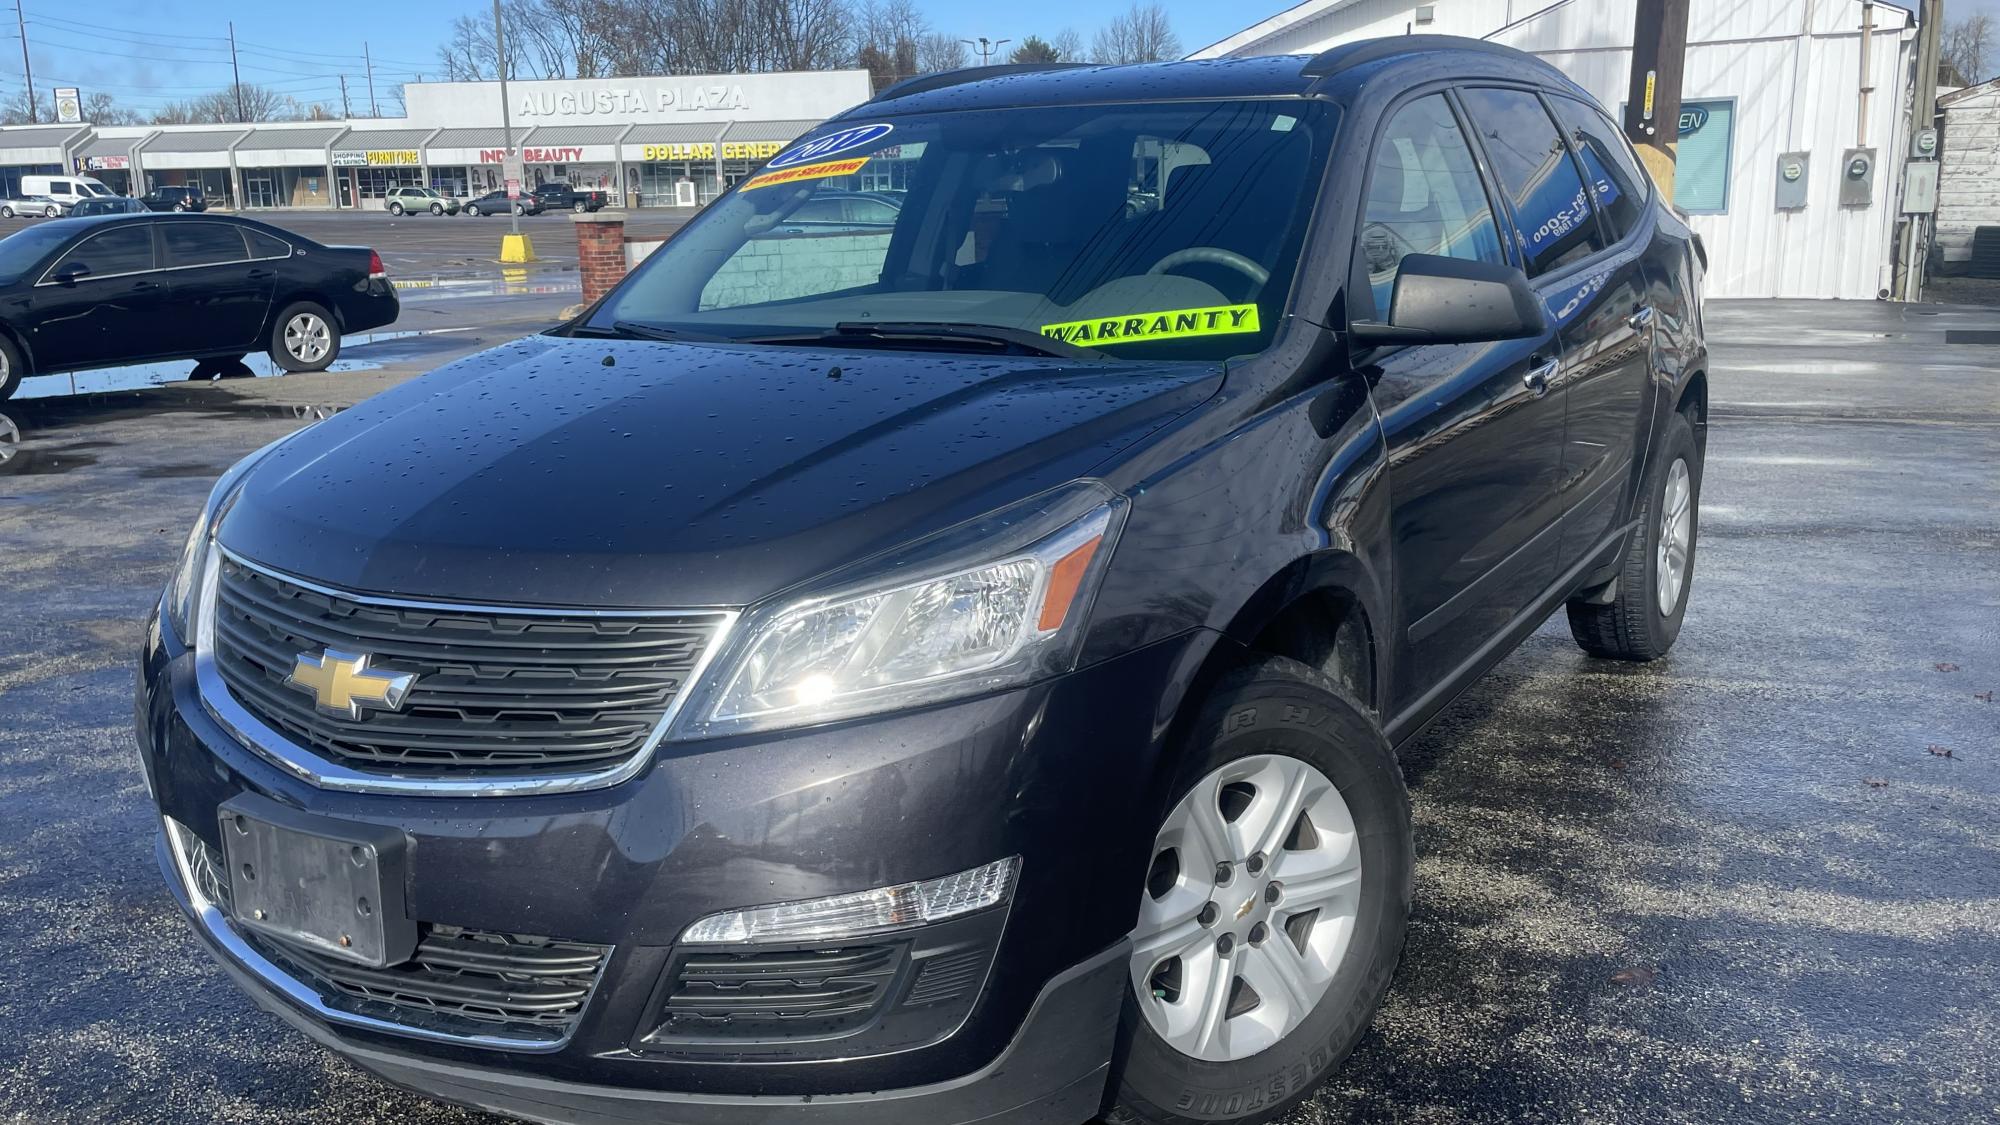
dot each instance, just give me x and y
(317, 769)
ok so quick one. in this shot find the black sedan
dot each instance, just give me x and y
(497, 203)
(118, 289)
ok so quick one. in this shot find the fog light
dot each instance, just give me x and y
(862, 912)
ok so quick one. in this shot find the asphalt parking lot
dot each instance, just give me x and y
(449, 246)
(1758, 881)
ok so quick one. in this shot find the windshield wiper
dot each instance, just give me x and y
(639, 330)
(984, 336)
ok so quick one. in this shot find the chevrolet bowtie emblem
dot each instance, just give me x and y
(341, 684)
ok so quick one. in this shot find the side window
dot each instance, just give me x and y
(123, 249)
(1620, 186)
(1425, 196)
(1551, 208)
(202, 244)
(267, 246)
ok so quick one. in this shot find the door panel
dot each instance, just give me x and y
(107, 316)
(1608, 338)
(222, 298)
(1475, 441)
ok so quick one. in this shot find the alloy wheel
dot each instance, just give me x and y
(10, 434)
(1676, 536)
(1249, 908)
(307, 337)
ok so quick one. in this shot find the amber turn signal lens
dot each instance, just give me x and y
(1065, 578)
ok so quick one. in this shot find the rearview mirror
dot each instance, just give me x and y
(69, 274)
(1441, 300)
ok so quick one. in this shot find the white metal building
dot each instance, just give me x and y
(675, 141)
(1969, 180)
(1764, 78)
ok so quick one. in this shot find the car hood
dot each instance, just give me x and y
(618, 473)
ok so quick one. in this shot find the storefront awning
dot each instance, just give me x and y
(381, 148)
(37, 144)
(569, 135)
(106, 154)
(287, 147)
(190, 150)
(780, 131)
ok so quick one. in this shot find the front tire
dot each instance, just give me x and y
(1274, 906)
(50, 212)
(437, 208)
(472, 209)
(12, 369)
(304, 338)
(1643, 620)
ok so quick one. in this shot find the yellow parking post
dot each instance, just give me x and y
(516, 248)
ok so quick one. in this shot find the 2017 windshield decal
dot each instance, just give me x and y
(806, 172)
(1217, 320)
(819, 148)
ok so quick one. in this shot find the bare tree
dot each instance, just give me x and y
(1068, 46)
(18, 110)
(886, 36)
(1967, 44)
(940, 51)
(257, 103)
(100, 108)
(1142, 34)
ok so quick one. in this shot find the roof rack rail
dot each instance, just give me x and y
(927, 82)
(1374, 50)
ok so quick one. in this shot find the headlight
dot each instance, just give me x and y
(1002, 602)
(183, 588)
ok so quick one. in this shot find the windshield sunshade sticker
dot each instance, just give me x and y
(1217, 320)
(804, 172)
(819, 148)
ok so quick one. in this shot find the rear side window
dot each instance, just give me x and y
(267, 246)
(1551, 208)
(1425, 196)
(1617, 182)
(202, 244)
(124, 249)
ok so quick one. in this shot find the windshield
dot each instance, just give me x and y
(22, 250)
(1165, 231)
(95, 188)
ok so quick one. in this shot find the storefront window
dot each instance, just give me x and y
(452, 181)
(375, 183)
(657, 182)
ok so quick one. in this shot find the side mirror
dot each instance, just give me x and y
(71, 273)
(1442, 300)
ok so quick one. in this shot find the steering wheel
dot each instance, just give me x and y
(1214, 255)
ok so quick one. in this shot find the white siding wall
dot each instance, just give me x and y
(1969, 182)
(1793, 67)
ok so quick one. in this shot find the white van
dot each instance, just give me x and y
(64, 189)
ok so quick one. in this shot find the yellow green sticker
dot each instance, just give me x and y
(805, 172)
(1217, 320)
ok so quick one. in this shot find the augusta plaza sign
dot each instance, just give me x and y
(807, 96)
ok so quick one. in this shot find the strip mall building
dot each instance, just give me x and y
(650, 142)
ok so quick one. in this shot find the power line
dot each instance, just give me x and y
(27, 67)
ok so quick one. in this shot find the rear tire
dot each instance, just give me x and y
(6, 212)
(1644, 620)
(581, 207)
(304, 338)
(1336, 806)
(395, 209)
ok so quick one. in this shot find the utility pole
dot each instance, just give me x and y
(373, 109)
(1923, 115)
(1653, 104)
(345, 111)
(21, 18)
(241, 115)
(506, 123)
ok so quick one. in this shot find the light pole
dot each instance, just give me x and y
(506, 123)
(987, 47)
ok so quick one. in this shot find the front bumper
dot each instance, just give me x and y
(1053, 773)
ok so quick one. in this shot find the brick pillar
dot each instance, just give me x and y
(600, 251)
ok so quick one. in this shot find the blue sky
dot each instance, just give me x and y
(146, 53)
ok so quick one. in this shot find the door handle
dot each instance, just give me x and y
(145, 286)
(259, 275)
(1537, 378)
(1641, 320)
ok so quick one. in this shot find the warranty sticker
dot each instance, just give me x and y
(805, 172)
(1219, 320)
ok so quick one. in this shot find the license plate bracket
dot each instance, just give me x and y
(335, 886)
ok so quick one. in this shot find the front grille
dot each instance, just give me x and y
(765, 993)
(459, 981)
(496, 692)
